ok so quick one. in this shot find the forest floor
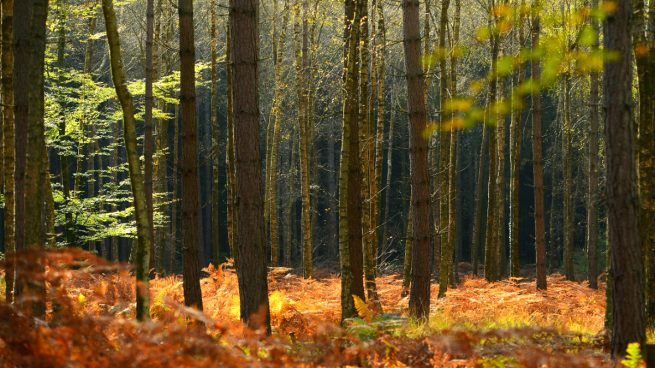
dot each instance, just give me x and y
(478, 324)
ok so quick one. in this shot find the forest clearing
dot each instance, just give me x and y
(323, 183)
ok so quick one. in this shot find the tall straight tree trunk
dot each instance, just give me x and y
(229, 156)
(277, 114)
(407, 257)
(477, 202)
(379, 94)
(160, 126)
(538, 168)
(419, 296)
(35, 168)
(300, 40)
(144, 239)
(645, 59)
(175, 213)
(114, 207)
(592, 185)
(515, 147)
(453, 154)
(567, 146)
(9, 146)
(213, 109)
(350, 207)
(444, 250)
(366, 152)
(628, 322)
(388, 180)
(190, 198)
(251, 244)
(147, 136)
(64, 159)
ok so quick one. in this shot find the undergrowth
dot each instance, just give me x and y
(478, 324)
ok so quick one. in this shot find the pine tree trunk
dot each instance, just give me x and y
(645, 61)
(215, 195)
(9, 147)
(300, 41)
(148, 126)
(251, 243)
(69, 226)
(538, 171)
(567, 143)
(516, 144)
(592, 186)
(277, 114)
(190, 199)
(419, 296)
(350, 229)
(477, 202)
(626, 260)
(229, 157)
(144, 232)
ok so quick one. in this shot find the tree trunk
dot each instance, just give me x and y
(9, 147)
(626, 260)
(350, 229)
(567, 208)
(300, 40)
(419, 296)
(190, 198)
(64, 159)
(229, 157)
(515, 147)
(147, 136)
(277, 115)
(646, 146)
(538, 169)
(253, 286)
(215, 243)
(477, 202)
(143, 225)
(445, 250)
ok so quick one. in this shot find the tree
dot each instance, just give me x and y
(350, 206)
(144, 239)
(645, 60)
(251, 272)
(623, 211)
(8, 136)
(419, 296)
(592, 187)
(538, 173)
(148, 140)
(277, 114)
(190, 198)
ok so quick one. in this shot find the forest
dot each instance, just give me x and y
(327, 183)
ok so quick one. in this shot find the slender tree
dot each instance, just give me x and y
(148, 140)
(9, 147)
(592, 185)
(213, 117)
(144, 239)
(538, 171)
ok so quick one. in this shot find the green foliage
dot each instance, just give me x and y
(633, 356)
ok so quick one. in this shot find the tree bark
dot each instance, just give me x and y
(190, 199)
(251, 247)
(143, 226)
(538, 170)
(626, 260)
(9, 146)
(419, 296)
